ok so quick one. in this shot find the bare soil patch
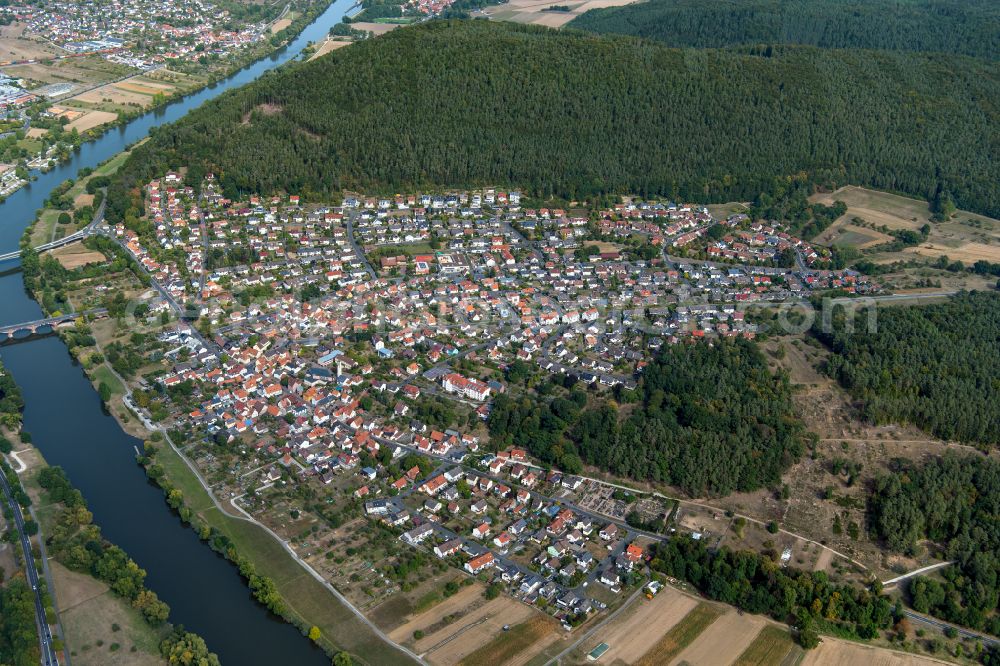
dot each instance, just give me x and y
(83, 199)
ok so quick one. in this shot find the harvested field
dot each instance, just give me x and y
(639, 629)
(548, 19)
(532, 11)
(721, 641)
(465, 598)
(769, 648)
(113, 93)
(510, 644)
(375, 28)
(280, 25)
(448, 642)
(76, 255)
(834, 652)
(132, 86)
(968, 253)
(329, 45)
(92, 119)
(36, 133)
(680, 636)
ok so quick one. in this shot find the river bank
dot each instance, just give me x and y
(71, 429)
(279, 579)
(97, 624)
(303, 598)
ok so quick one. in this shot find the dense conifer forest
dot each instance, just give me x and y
(710, 418)
(969, 27)
(457, 103)
(954, 502)
(934, 365)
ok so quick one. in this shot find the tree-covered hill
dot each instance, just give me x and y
(710, 419)
(969, 27)
(456, 103)
(933, 365)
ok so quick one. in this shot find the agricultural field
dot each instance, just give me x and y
(771, 647)
(638, 628)
(76, 255)
(686, 636)
(134, 93)
(83, 72)
(467, 629)
(375, 28)
(532, 11)
(328, 45)
(833, 652)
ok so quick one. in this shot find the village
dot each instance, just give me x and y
(332, 366)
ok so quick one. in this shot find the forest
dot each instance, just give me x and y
(464, 103)
(935, 366)
(11, 402)
(709, 419)
(953, 501)
(18, 635)
(968, 27)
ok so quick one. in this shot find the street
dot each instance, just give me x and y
(44, 633)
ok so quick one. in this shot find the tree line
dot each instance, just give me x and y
(756, 583)
(465, 103)
(968, 27)
(953, 501)
(709, 418)
(935, 366)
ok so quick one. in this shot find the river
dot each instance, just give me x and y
(65, 417)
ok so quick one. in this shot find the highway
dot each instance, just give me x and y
(44, 633)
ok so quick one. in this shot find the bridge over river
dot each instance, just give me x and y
(10, 332)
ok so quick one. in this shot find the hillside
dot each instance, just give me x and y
(473, 102)
(969, 27)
